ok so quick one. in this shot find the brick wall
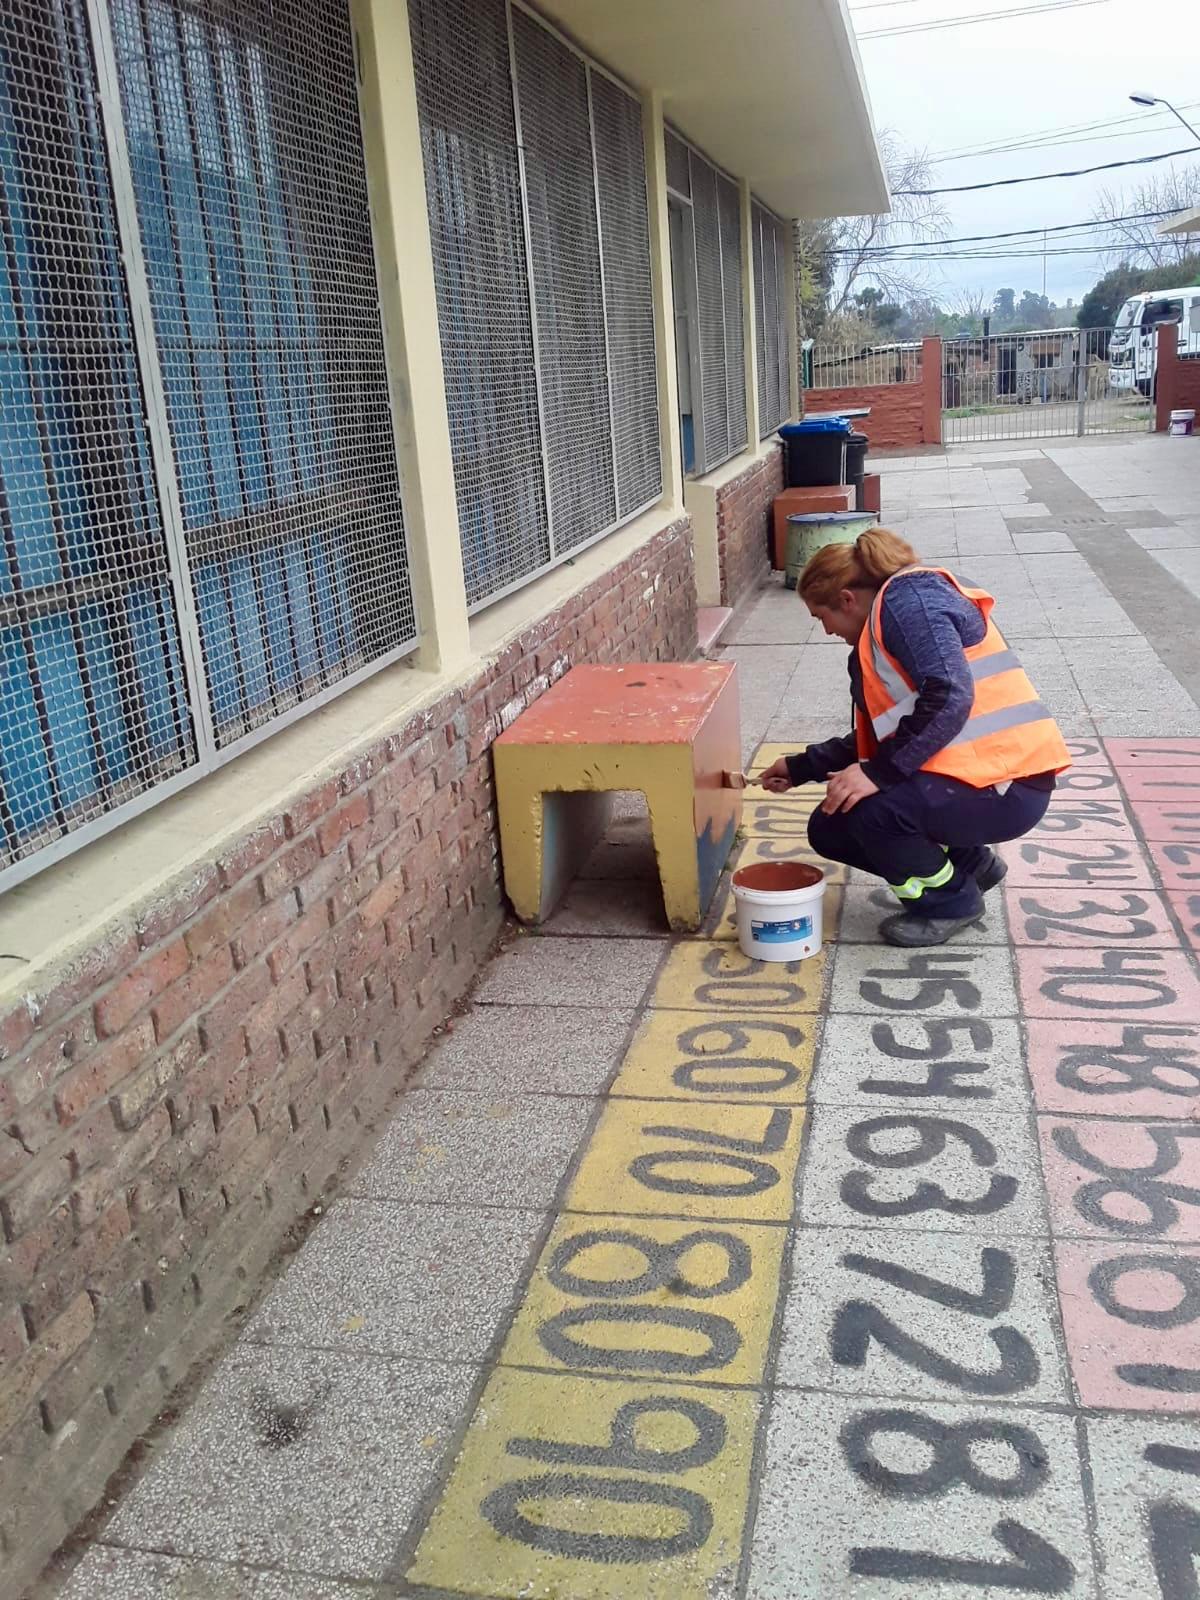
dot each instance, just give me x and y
(176, 1101)
(903, 415)
(1178, 379)
(744, 524)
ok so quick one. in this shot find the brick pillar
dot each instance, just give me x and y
(1168, 374)
(931, 399)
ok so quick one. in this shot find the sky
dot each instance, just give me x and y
(1010, 78)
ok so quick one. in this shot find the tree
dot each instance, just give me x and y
(1099, 307)
(1137, 242)
(837, 259)
(1004, 307)
(1035, 311)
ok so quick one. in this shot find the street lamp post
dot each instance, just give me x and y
(1157, 100)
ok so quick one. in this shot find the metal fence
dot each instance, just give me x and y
(841, 366)
(1052, 383)
(198, 488)
(536, 191)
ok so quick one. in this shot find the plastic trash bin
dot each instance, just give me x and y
(813, 531)
(856, 466)
(815, 451)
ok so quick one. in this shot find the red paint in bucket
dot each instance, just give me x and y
(779, 877)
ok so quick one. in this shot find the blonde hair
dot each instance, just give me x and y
(873, 558)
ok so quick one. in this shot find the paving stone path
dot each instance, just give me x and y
(686, 1277)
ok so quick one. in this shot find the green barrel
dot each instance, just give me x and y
(814, 530)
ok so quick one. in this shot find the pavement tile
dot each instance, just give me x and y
(922, 1315)
(609, 908)
(1146, 1474)
(571, 972)
(426, 1282)
(1071, 917)
(1087, 753)
(1116, 1069)
(304, 1459)
(1037, 863)
(1187, 909)
(523, 1049)
(1153, 753)
(1147, 984)
(1164, 785)
(109, 1573)
(947, 982)
(1086, 780)
(887, 1500)
(467, 1149)
(974, 1172)
(1176, 823)
(716, 977)
(1074, 816)
(864, 908)
(1178, 865)
(1122, 1180)
(1131, 1314)
(753, 1058)
(932, 1064)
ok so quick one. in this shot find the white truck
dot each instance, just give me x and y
(1132, 349)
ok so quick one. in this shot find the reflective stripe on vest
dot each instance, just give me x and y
(986, 667)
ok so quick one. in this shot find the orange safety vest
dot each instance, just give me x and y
(1009, 734)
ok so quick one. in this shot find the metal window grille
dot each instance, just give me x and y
(93, 701)
(246, 159)
(773, 284)
(535, 183)
(679, 172)
(729, 203)
(199, 495)
(841, 366)
(710, 289)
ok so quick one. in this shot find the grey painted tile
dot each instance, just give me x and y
(524, 1049)
(938, 1065)
(950, 981)
(571, 972)
(114, 1574)
(1140, 1464)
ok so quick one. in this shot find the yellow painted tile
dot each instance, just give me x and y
(788, 848)
(655, 1157)
(713, 975)
(768, 754)
(778, 816)
(759, 1059)
(651, 1298)
(572, 1488)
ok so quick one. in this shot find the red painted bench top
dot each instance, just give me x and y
(640, 704)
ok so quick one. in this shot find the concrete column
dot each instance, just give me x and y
(931, 386)
(404, 262)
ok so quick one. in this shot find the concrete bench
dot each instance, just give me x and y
(671, 731)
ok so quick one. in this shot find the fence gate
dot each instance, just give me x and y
(1059, 381)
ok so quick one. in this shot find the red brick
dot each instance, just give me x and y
(22, 1384)
(111, 1164)
(138, 988)
(288, 869)
(156, 922)
(217, 927)
(42, 1185)
(99, 1073)
(304, 934)
(297, 1030)
(251, 852)
(267, 925)
(184, 1000)
(324, 877)
(287, 995)
(80, 980)
(16, 1030)
(134, 1100)
(302, 813)
(354, 814)
(232, 1010)
(54, 1053)
(381, 901)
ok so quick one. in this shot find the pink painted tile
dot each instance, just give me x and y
(1123, 1181)
(1087, 753)
(1187, 909)
(1131, 1316)
(1086, 783)
(1170, 824)
(1147, 985)
(1151, 753)
(1115, 1069)
(1036, 862)
(1078, 817)
(1179, 865)
(1087, 916)
(1161, 785)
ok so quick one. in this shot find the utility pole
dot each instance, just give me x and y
(1043, 263)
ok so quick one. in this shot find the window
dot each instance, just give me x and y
(706, 269)
(199, 498)
(1158, 311)
(773, 284)
(536, 190)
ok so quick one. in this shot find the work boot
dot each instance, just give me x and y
(912, 930)
(993, 872)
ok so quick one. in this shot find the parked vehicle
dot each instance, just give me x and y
(1133, 348)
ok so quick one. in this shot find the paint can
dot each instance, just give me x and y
(1183, 423)
(779, 910)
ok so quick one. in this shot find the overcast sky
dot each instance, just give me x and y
(947, 89)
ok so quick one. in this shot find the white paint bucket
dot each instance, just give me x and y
(1183, 423)
(779, 906)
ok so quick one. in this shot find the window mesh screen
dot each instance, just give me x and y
(785, 289)
(568, 300)
(711, 312)
(93, 705)
(678, 165)
(730, 208)
(247, 164)
(773, 282)
(625, 231)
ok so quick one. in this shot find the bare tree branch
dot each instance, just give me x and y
(1139, 242)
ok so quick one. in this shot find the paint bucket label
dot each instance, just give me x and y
(782, 932)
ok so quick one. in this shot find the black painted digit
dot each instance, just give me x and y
(1042, 922)
(502, 1508)
(664, 1264)
(742, 990)
(723, 1339)
(623, 1450)
(999, 1281)
(1138, 1183)
(1182, 855)
(1036, 1568)
(772, 1140)
(1114, 863)
(718, 1069)
(1072, 815)
(941, 1080)
(1123, 978)
(759, 1175)
(953, 1464)
(1174, 1546)
(856, 1187)
(1106, 1275)
(941, 975)
(940, 1032)
(1086, 780)
(858, 1322)
(1136, 1063)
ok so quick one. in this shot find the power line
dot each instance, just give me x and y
(1037, 135)
(1043, 177)
(1000, 255)
(981, 16)
(1053, 144)
(1007, 233)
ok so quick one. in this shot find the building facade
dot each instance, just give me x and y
(361, 371)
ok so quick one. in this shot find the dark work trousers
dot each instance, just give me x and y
(928, 837)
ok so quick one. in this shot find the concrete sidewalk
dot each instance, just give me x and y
(680, 1277)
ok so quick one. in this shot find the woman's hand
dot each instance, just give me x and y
(777, 779)
(846, 789)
